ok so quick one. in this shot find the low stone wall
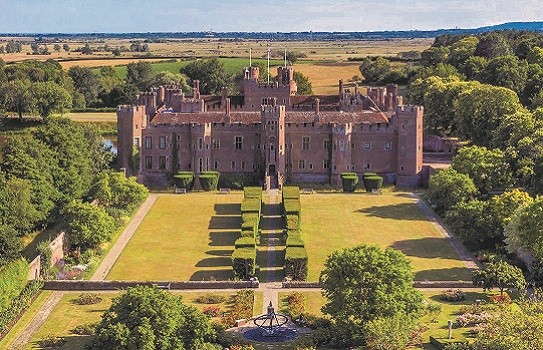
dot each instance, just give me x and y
(416, 284)
(115, 285)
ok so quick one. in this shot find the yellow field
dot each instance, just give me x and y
(324, 77)
(93, 117)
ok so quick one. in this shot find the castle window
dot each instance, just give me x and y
(239, 142)
(178, 137)
(367, 166)
(301, 164)
(162, 163)
(305, 143)
(310, 166)
(305, 124)
(326, 144)
(254, 166)
(352, 145)
(233, 166)
(341, 145)
(367, 145)
(403, 126)
(148, 162)
(148, 142)
(137, 142)
(201, 164)
(216, 144)
(242, 165)
(388, 145)
(272, 126)
(216, 165)
(264, 102)
(401, 168)
(162, 142)
(326, 164)
(200, 143)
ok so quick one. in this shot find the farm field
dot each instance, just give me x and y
(335, 221)
(109, 117)
(67, 315)
(183, 237)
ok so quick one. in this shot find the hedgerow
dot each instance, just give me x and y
(209, 180)
(244, 262)
(349, 181)
(296, 263)
(184, 179)
(13, 279)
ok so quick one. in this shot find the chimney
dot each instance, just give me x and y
(340, 86)
(317, 106)
(196, 90)
(227, 106)
(224, 93)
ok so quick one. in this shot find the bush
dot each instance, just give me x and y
(184, 179)
(349, 181)
(372, 183)
(251, 205)
(242, 308)
(44, 249)
(237, 181)
(368, 175)
(245, 242)
(293, 222)
(296, 263)
(212, 311)
(443, 343)
(210, 298)
(244, 262)
(292, 206)
(291, 192)
(13, 279)
(295, 241)
(19, 304)
(295, 305)
(452, 295)
(88, 225)
(85, 329)
(252, 192)
(248, 233)
(87, 299)
(209, 180)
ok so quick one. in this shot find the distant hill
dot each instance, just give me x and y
(377, 35)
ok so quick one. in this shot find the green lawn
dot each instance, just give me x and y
(67, 315)
(183, 237)
(335, 221)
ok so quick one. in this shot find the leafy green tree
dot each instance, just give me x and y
(16, 208)
(211, 73)
(473, 67)
(303, 83)
(435, 55)
(524, 231)
(374, 70)
(87, 225)
(506, 71)
(449, 187)
(169, 78)
(85, 82)
(57, 47)
(442, 70)
(66, 47)
(16, 97)
(140, 74)
(10, 244)
(488, 169)
(492, 45)
(49, 98)
(365, 283)
(390, 333)
(499, 275)
(150, 318)
(115, 190)
(462, 50)
(504, 206)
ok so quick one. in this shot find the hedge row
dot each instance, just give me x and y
(371, 181)
(442, 343)
(8, 316)
(237, 181)
(295, 254)
(184, 179)
(244, 256)
(13, 279)
(209, 180)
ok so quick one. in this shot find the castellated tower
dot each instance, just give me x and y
(273, 143)
(341, 150)
(131, 120)
(409, 125)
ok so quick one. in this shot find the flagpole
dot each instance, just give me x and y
(285, 56)
(268, 65)
(250, 57)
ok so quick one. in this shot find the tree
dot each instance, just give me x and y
(16, 208)
(488, 169)
(169, 78)
(150, 318)
(50, 97)
(434, 55)
(85, 82)
(374, 70)
(116, 191)
(492, 45)
(365, 283)
(16, 97)
(390, 333)
(66, 47)
(506, 71)
(473, 67)
(462, 50)
(139, 74)
(86, 50)
(499, 275)
(303, 83)
(57, 47)
(504, 206)
(524, 231)
(211, 73)
(10, 244)
(87, 225)
(449, 187)
(13, 47)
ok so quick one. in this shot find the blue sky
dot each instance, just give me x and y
(53, 16)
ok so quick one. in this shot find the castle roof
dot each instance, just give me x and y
(363, 117)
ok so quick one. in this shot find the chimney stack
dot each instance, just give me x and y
(317, 106)
(196, 90)
(227, 106)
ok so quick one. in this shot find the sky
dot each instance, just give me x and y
(88, 16)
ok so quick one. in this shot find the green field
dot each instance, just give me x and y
(183, 237)
(335, 221)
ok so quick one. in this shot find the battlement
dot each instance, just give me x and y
(273, 109)
(410, 108)
(128, 109)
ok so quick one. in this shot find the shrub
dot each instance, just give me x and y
(242, 308)
(368, 175)
(209, 180)
(245, 242)
(85, 329)
(251, 205)
(295, 241)
(452, 295)
(293, 222)
(212, 311)
(248, 233)
(501, 299)
(444, 343)
(44, 249)
(237, 181)
(87, 299)
(13, 279)
(244, 262)
(292, 206)
(88, 225)
(372, 183)
(51, 342)
(210, 298)
(252, 192)
(291, 192)
(19, 304)
(295, 305)
(434, 310)
(184, 179)
(296, 263)
(349, 181)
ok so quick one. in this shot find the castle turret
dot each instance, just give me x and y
(409, 125)
(131, 120)
(273, 142)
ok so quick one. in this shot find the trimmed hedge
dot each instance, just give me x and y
(372, 182)
(237, 181)
(295, 241)
(245, 242)
(248, 233)
(441, 343)
(252, 192)
(349, 182)
(291, 192)
(209, 180)
(369, 175)
(244, 262)
(13, 279)
(251, 205)
(292, 206)
(9, 315)
(184, 179)
(296, 263)
(293, 222)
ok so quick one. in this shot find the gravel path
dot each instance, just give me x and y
(122, 241)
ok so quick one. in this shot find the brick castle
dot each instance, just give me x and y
(272, 132)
